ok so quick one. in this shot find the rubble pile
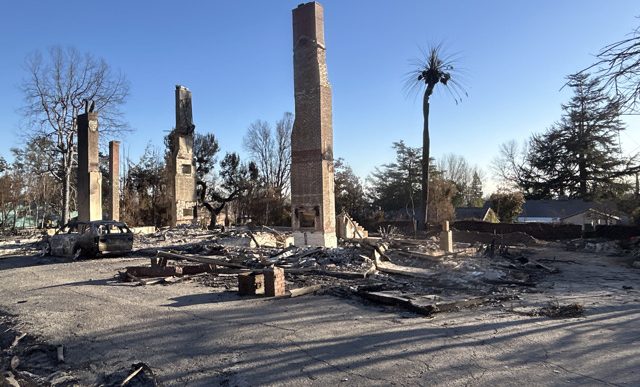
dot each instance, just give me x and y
(557, 311)
(138, 375)
(595, 245)
(26, 360)
(192, 238)
(412, 273)
(338, 259)
(626, 247)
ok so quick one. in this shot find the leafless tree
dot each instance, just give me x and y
(456, 168)
(55, 90)
(510, 164)
(283, 146)
(618, 66)
(260, 144)
(271, 151)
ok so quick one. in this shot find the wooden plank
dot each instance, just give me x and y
(278, 233)
(200, 259)
(134, 278)
(329, 273)
(413, 254)
(307, 253)
(378, 252)
(406, 271)
(302, 291)
(253, 238)
(545, 267)
(152, 281)
(372, 270)
(509, 282)
(388, 298)
(131, 376)
(282, 253)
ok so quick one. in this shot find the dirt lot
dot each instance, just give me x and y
(192, 333)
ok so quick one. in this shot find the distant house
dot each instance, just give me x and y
(485, 214)
(572, 211)
(25, 216)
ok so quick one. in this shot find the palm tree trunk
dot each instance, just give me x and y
(424, 200)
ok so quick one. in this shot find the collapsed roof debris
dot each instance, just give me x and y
(415, 274)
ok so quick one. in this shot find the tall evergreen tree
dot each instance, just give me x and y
(475, 191)
(580, 155)
(591, 125)
(349, 192)
(396, 186)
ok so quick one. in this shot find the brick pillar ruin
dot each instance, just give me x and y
(89, 189)
(182, 180)
(114, 172)
(312, 198)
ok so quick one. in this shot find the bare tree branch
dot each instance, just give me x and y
(54, 91)
(618, 67)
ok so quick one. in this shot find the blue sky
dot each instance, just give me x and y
(236, 57)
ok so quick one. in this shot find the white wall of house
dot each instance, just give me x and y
(592, 218)
(536, 219)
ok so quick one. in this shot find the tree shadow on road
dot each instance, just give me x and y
(20, 261)
(281, 341)
(203, 298)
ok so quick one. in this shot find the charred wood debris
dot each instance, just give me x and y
(28, 360)
(412, 274)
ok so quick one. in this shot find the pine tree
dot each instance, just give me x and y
(579, 156)
(396, 186)
(349, 193)
(475, 191)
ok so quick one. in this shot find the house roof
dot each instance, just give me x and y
(600, 213)
(463, 213)
(562, 208)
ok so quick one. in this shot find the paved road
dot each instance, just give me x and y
(192, 335)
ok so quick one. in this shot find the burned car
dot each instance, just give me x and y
(90, 239)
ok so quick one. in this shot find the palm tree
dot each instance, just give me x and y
(434, 68)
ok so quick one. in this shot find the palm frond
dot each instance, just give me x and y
(433, 67)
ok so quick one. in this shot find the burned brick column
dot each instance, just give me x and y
(89, 189)
(312, 197)
(182, 180)
(114, 172)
